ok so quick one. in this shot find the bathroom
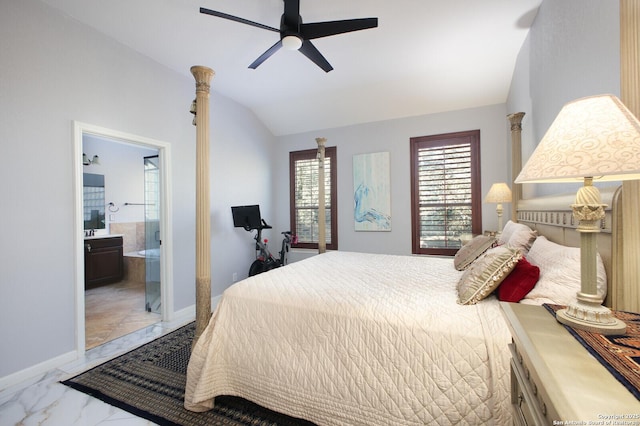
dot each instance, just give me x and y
(123, 181)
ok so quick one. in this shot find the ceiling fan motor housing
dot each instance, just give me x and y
(294, 35)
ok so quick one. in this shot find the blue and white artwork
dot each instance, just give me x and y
(371, 192)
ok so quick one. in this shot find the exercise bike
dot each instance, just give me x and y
(248, 217)
(264, 259)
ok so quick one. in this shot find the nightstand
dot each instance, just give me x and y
(555, 380)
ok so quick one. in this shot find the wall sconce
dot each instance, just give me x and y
(87, 162)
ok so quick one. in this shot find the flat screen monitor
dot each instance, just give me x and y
(247, 217)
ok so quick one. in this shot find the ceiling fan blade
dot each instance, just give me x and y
(329, 28)
(310, 51)
(273, 49)
(235, 18)
(292, 13)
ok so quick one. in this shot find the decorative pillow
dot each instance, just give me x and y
(472, 250)
(486, 273)
(519, 282)
(508, 229)
(465, 238)
(559, 273)
(517, 235)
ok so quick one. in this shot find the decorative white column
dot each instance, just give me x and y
(203, 76)
(516, 160)
(630, 96)
(322, 221)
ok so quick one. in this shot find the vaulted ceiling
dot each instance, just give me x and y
(425, 56)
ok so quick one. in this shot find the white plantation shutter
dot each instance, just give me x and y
(304, 197)
(445, 198)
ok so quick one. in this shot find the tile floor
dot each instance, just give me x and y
(114, 310)
(44, 401)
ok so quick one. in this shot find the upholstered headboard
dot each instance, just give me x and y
(552, 217)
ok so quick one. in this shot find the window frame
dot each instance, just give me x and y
(471, 137)
(309, 154)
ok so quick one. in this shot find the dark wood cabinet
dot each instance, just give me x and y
(103, 261)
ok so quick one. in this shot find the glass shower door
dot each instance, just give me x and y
(152, 233)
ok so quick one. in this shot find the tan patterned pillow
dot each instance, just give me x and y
(472, 250)
(486, 274)
(517, 235)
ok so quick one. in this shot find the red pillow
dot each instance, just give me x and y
(519, 282)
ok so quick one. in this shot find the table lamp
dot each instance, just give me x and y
(499, 193)
(592, 138)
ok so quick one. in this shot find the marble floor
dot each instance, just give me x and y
(114, 310)
(44, 401)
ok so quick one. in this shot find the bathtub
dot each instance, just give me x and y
(149, 252)
(135, 265)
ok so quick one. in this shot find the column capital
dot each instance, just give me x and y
(203, 76)
(516, 120)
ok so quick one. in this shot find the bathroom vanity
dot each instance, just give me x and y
(103, 260)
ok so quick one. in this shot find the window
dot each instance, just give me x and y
(445, 191)
(303, 188)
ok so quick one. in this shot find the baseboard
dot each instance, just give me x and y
(36, 370)
(190, 311)
(186, 314)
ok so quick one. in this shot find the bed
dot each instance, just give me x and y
(353, 338)
(364, 339)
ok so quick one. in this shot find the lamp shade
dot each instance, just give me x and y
(594, 137)
(499, 193)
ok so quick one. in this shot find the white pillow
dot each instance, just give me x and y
(517, 236)
(559, 273)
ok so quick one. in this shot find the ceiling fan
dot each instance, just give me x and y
(295, 35)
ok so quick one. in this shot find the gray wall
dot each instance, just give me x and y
(122, 166)
(572, 51)
(54, 70)
(393, 136)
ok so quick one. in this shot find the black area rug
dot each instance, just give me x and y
(149, 382)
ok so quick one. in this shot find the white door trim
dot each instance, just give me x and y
(166, 254)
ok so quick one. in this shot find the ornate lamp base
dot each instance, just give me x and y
(588, 313)
(499, 210)
(594, 318)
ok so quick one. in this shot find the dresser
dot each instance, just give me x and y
(103, 260)
(555, 380)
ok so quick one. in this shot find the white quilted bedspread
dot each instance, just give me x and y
(357, 339)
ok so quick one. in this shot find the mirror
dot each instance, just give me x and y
(93, 201)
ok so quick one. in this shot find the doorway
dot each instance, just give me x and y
(153, 210)
(152, 234)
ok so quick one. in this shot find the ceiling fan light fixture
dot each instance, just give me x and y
(296, 35)
(291, 42)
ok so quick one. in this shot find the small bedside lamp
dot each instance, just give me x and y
(591, 138)
(499, 193)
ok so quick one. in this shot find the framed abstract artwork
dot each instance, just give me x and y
(372, 192)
